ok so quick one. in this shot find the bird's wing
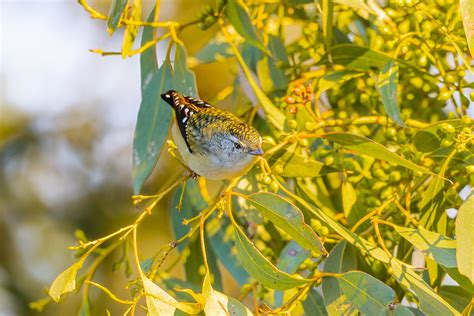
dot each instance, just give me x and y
(185, 107)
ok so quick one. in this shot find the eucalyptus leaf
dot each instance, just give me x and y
(115, 14)
(314, 304)
(66, 281)
(260, 267)
(371, 148)
(467, 13)
(289, 218)
(440, 248)
(153, 122)
(131, 30)
(365, 293)
(464, 237)
(239, 17)
(387, 86)
(218, 303)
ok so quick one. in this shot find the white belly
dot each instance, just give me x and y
(208, 166)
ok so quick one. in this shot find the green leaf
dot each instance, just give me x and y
(341, 259)
(464, 238)
(66, 281)
(456, 296)
(291, 257)
(148, 61)
(314, 304)
(115, 13)
(131, 30)
(370, 148)
(436, 246)
(467, 12)
(355, 4)
(349, 197)
(289, 218)
(238, 16)
(260, 267)
(387, 85)
(184, 78)
(162, 303)
(430, 301)
(296, 165)
(327, 13)
(218, 303)
(219, 232)
(154, 119)
(334, 78)
(217, 49)
(364, 292)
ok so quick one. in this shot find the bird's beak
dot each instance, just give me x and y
(256, 152)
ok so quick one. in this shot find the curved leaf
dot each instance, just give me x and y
(218, 303)
(238, 16)
(66, 281)
(314, 304)
(370, 148)
(387, 85)
(260, 268)
(131, 30)
(467, 12)
(430, 301)
(464, 237)
(154, 119)
(367, 294)
(438, 247)
(148, 61)
(289, 218)
(341, 259)
(184, 78)
(115, 13)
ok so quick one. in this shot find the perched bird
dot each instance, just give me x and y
(213, 143)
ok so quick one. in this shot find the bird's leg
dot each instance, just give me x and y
(194, 175)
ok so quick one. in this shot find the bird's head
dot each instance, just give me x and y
(239, 141)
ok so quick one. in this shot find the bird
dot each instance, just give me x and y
(213, 143)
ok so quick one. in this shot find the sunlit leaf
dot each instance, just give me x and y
(238, 16)
(467, 13)
(218, 303)
(349, 197)
(115, 13)
(332, 79)
(66, 281)
(456, 296)
(341, 259)
(288, 217)
(356, 4)
(387, 85)
(438, 247)
(371, 148)
(260, 267)
(159, 302)
(296, 165)
(365, 293)
(464, 236)
(430, 301)
(131, 30)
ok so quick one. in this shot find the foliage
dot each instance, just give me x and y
(367, 143)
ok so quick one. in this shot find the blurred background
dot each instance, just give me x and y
(67, 118)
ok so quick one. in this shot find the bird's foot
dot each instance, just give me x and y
(194, 175)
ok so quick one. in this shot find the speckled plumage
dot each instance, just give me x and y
(214, 143)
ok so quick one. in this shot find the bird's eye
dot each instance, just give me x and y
(237, 146)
